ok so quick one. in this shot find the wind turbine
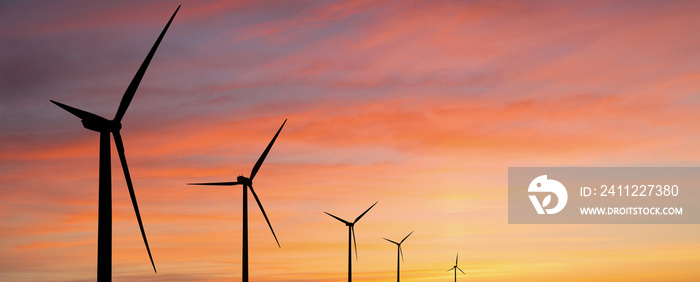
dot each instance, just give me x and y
(399, 252)
(248, 183)
(106, 127)
(456, 267)
(351, 238)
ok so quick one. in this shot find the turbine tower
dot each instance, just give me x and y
(248, 183)
(351, 238)
(106, 127)
(455, 268)
(399, 253)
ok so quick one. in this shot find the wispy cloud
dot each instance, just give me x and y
(419, 105)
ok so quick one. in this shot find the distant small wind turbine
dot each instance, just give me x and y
(456, 268)
(399, 253)
(351, 238)
(248, 183)
(106, 127)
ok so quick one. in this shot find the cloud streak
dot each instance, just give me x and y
(419, 105)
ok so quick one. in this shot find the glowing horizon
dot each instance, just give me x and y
(421, 106)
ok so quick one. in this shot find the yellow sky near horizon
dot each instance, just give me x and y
(421, 106)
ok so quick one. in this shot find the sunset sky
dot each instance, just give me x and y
(421, 106)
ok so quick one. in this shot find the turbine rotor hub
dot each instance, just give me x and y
(244, 180)
(115, 125)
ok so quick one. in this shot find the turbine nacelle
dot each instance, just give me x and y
(102, 125)
(244, 180)
(92, 121)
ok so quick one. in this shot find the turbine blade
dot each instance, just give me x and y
(216, 183)
(409, 234)
(264, 214)
(338, 218)
(131, 90)
(77, 112)
(461, 270)
(352, 227)
(120, 149)
(264, 154)
(457, 259)
(358, 218)
(450, 269)
(401, 252)
(390, 241)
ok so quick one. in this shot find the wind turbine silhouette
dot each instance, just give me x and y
(456, 267)
(351, 238)
(399, 252)
(106, 127)
(248, 183)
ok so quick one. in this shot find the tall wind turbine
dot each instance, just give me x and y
(351, 238)
(106, 127)
(455, 268)
(248, 183)
(399, 252)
